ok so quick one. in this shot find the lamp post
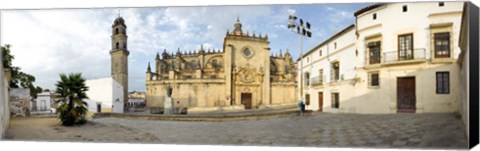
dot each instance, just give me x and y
(302, 29)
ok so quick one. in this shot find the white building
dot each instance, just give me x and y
(136, 98)
(398, 57)
(136, 101)
(105, 95)
(329, 70)
(43, 102)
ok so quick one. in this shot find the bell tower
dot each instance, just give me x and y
(119, 55)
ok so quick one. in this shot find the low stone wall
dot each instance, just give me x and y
(213, 109)
(280, 106)
(209, 118)
(19, 101)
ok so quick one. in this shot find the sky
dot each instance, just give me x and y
(47, 42)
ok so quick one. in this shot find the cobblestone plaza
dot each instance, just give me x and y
(319, 129)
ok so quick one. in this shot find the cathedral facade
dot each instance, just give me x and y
(244, 75)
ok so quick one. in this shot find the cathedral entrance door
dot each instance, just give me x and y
(246, 100)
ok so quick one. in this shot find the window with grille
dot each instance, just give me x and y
(374, 79)
(307, 79)
(374, 52)
(443, 82)
(405, 47)
(442, 45)
(335, 72)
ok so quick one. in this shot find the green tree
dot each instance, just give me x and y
(7, 57)
(71, 90)
(19, 79)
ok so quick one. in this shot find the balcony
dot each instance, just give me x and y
(417, 55)
(317, 81)
(391, 58)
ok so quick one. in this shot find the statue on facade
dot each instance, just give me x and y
(169, 91)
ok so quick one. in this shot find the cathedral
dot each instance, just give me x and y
(244, 75)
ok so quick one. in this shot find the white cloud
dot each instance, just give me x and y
(48, 42)
(291, 11)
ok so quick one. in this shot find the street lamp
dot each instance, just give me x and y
(304, 31)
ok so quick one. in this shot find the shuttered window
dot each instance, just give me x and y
(443, 82)
(374, 79)
(374, 52)
(335, 71)
(307, 79)
(405, 47)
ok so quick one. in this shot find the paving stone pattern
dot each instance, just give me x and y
(433, 131)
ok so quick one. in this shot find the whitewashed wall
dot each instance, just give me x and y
(421, 19)
(44, 96)
(391, 22)
(117, 97)
(105, 91)
(418, 19)
(344, 53)
(4, 103)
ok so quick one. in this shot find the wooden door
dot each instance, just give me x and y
(406, 95)
(99, 108)
(246, 100)
(320, 101)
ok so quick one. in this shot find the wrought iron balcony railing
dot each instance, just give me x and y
(395, 56)
(317, 81)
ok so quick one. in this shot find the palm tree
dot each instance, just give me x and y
(70, 94)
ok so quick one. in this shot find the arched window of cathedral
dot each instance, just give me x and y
(125, 45)
(116, 30)
(117, 45)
